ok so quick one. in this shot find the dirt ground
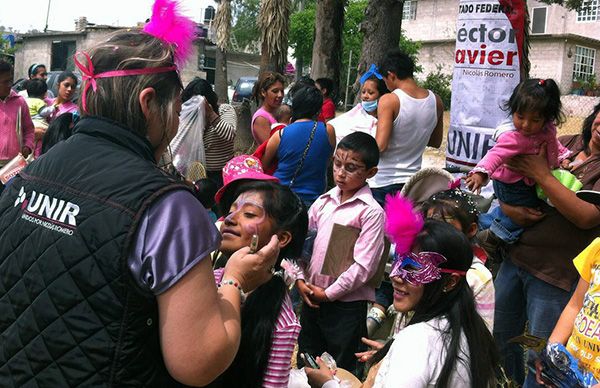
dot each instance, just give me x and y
(437, 157)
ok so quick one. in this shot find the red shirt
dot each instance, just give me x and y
(327, 110)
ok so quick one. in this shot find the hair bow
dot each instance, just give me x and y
(371, 72)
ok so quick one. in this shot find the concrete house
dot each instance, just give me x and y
(564, 44)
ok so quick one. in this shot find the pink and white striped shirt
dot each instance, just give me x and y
(285, 336)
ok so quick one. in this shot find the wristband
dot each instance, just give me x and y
(236, 285)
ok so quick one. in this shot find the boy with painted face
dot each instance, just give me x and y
(335, 308)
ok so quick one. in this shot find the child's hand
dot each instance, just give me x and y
(318, 294)
(318, 377)
(566, 164)
(475, 181)
(305, 293)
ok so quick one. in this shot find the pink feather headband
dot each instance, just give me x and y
(166, 24)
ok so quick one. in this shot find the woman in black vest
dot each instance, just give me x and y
(106, 279)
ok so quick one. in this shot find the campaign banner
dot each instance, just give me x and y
(487, 67)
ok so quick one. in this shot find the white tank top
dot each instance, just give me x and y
(410, 134)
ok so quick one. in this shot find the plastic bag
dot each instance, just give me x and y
(188, 145)
(563, 370)
(12, 168)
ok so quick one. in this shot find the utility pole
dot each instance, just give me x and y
(47, 14)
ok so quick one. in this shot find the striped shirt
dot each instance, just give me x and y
(481, 282)
(285, 336)
(219, 137)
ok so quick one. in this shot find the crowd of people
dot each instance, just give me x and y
(269, 270)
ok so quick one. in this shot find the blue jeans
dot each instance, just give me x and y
(522, 298)
(379, 193)
(516, 194)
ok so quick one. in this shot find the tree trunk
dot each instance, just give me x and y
(221, 76)
(270, 62)
(327, 49)
(382, 27)
(274, 21)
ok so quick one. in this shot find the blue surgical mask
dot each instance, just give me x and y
(369, 106)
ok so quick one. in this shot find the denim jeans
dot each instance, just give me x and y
(379, 193)
(517, 194)
(522, 299)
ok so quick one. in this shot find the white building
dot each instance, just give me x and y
(564, 43)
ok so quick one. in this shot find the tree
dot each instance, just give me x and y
(273, 22)
(245, 32)
(302, 35)
(381, 28)
(222, 26)
(327, 47)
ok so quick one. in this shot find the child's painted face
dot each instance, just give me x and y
(349, 171)
(246, 217)
(369, 91)
(528, 123)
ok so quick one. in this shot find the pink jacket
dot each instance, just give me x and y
(9, 110)
(510, 142)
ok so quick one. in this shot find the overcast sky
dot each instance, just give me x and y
(24, 15)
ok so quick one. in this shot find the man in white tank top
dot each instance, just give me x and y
(409, 119)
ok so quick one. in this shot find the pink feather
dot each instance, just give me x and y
(168, 24)
(402, 223)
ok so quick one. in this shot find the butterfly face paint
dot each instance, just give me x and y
(246, 215)
(420, 268)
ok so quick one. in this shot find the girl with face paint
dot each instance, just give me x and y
(446, 343)
(257, 210)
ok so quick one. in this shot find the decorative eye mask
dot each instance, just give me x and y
(420, 268)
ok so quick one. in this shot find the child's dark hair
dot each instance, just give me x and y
(36, 88)
(5, 67)
(327, 84)
(201, 87)
(265, 80)
(454, 204)
(283, 111)
(363, 144)
(66, 74)
(307, 103)
(397, 62)
(205, 190)
(31, 72)
(537, 95)
(586, 130)
(457, 306)
(61, 128)
(261, 308)
(299, 84)
(381, 88)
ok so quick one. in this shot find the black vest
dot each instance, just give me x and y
(70, 313)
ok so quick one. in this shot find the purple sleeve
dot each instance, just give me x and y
(174, 234)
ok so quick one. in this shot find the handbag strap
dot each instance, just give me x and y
(301, 163)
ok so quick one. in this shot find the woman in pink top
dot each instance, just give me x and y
(268, 92)
(536, 109)
(67, 85)
(257, 209)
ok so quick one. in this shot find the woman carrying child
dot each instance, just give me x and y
(257, 209)
(535, 110)
(446, 343)
(537, 276)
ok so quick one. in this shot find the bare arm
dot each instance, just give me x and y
(271, 150)
(387, 110)
(438, 132)
(331, 134)
(582, 214)
(261, 129)
(564, 327)
(200, 326)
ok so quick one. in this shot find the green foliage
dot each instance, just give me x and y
(302, 33)
(441, 84)
(244, 28)
(411, 48)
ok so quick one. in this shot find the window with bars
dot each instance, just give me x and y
(409, 12)
(583, 66)
(588, 11)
